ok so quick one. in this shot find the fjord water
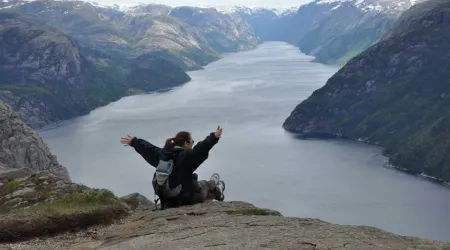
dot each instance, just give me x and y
(250, 94)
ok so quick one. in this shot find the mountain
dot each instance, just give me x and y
(333, 31)
(142, 29)
(269, 24)
(349, 27)
(263, 21)
(45, 77)
(61, 59)
(224, 33)
(396, 94)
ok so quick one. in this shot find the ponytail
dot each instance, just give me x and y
(170, 143)
(179, 140)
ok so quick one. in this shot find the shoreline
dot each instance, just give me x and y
(388, 165)
(53, 125)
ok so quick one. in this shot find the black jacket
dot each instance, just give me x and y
(186, 160)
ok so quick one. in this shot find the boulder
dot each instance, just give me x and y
(137, 201)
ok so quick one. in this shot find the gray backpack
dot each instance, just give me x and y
(161, 182)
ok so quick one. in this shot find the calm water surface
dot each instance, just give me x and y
(250, 94)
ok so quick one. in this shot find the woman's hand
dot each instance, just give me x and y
(126, 141)
(218, 132)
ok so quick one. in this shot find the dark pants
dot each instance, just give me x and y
(207, 191)
(197, 192)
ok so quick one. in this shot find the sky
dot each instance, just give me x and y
(214, 3)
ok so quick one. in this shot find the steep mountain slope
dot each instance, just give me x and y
(270, 24)
(224, 33)
(414, 13)
(395, 94)
(150, 33)
(348, 28)
(34, 59)
(89, 26)
(140, 30)
(45, 78)
(331, 30)
(263, 21)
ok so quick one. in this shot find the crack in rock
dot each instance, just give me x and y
(309, 244)
(195, 235)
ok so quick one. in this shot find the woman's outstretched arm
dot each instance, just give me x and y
(203, 147)
(148, 151)
(200, 152)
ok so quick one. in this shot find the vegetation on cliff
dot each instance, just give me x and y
(46, 78)
(395, 94)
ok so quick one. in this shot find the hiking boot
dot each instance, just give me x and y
(221, 185)
(219, 195)
(215, 178)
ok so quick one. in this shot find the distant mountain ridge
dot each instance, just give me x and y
(333, 31)
(143, 29)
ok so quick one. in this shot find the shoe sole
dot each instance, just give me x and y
(221, 185)
(215, 177)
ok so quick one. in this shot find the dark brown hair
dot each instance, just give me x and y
(179, 140)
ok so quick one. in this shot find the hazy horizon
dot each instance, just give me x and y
(211, 3)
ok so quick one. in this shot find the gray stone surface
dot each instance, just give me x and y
(38, 187)
(230, 225)
(138, 201)
(25, 192)
(227, 225)
(12, 173)
(22, 148)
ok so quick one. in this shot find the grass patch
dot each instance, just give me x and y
(71, 212)
(77, 202)
(254, 212)
(11, 187)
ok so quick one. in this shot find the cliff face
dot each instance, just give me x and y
(21, 147)
(47, 78)
(394, 94)
(25, 47)
(37, 196)
(34, 59)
